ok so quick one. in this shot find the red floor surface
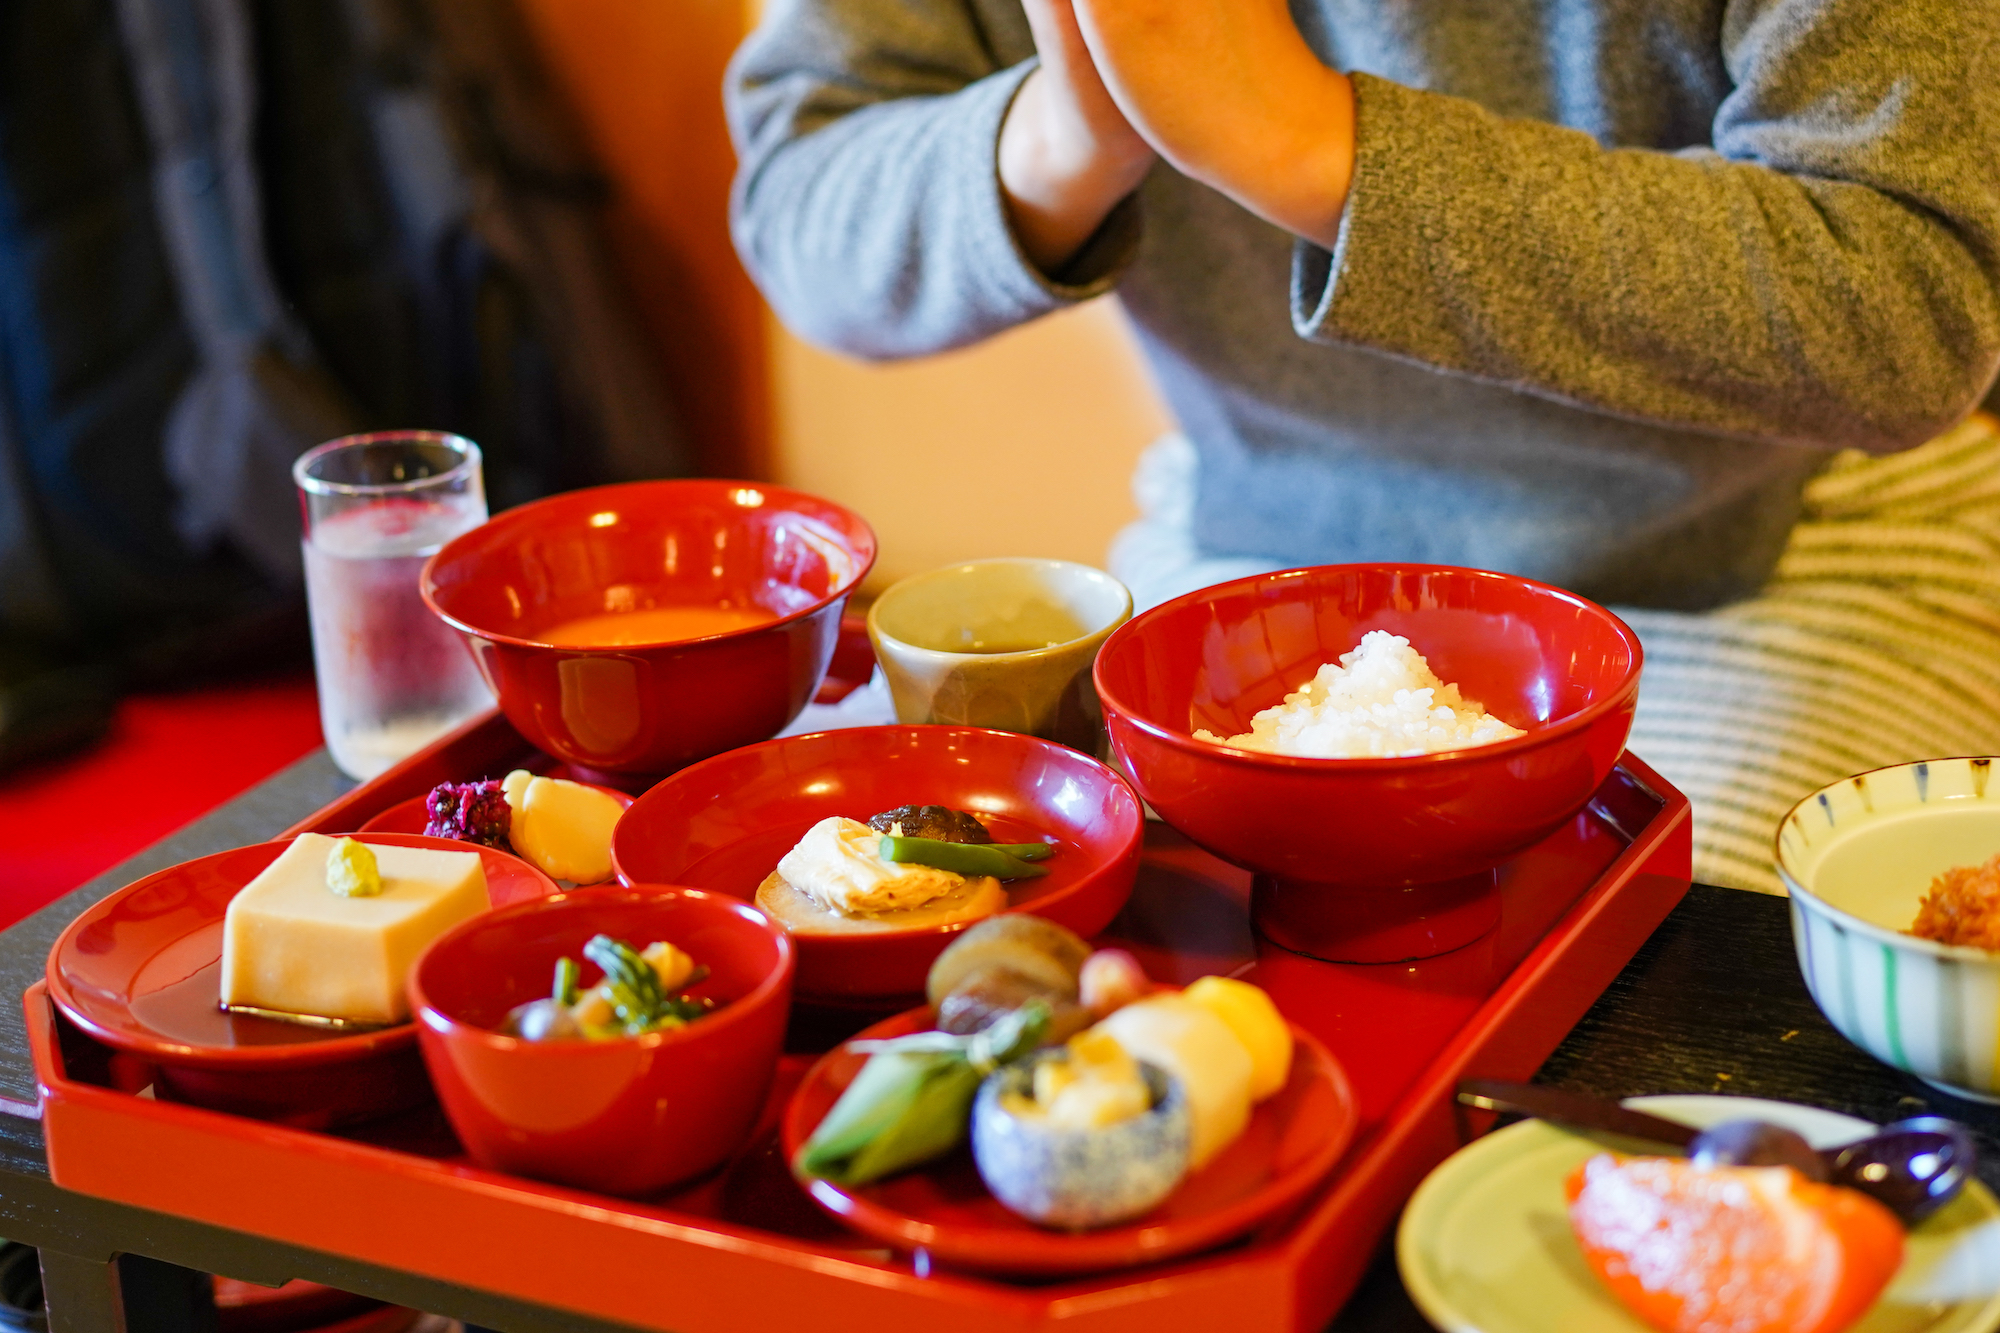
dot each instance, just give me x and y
(170, 758)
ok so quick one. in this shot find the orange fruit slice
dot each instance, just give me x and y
(1735, 1249)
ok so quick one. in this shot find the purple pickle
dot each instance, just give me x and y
(471, 812)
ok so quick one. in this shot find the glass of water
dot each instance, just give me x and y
(392, 676)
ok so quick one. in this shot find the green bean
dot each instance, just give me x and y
(1026, 851)
(633, 985)
(964, 858)
(564, 993)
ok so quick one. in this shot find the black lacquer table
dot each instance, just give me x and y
(1712, 1003)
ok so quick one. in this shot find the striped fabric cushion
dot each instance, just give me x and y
(1877, 641)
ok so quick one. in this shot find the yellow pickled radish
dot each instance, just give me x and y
(351, 871)
(564, 829)
(1194, 1046)
(514, 786)
(1256, 1023)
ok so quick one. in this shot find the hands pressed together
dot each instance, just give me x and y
(1227, 91)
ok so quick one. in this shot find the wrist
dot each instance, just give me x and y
(1296, 167)
(1060, 174)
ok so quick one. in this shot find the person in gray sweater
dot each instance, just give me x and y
(1584, 290)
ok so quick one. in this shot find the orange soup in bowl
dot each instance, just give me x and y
(658, 624)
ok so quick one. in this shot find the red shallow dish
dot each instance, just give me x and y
(1370, 860)
(627, 1117)
(1292, 1141)
(140, 971)
(637, 546)
(722, 824)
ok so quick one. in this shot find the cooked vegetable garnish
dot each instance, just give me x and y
(1027, 851)
(634, 989)
(911, 1101)
(930, 821)
(964, 858)
(640, 993)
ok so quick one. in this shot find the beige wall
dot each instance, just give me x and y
(1023, 445)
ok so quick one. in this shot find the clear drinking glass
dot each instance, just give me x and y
(392, 676)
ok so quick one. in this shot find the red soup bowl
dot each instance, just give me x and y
(1381, 859)
(749, 582)
(630, 1116)
(722, 825)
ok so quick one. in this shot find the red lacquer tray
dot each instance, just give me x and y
(745, 1250)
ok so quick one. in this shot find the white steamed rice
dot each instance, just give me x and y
(1381, 700)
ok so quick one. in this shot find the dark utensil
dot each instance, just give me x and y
(1577, 1109)
(1913, 1167)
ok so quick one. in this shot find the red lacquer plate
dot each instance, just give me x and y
(723, 824)
(140, 971)
(411, 816)
(1292, 1141)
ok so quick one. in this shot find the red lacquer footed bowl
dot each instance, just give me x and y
(722, 825)
(628, 1117)
(650, 708)
(1370, 860)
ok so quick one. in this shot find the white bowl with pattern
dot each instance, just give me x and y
(1858, 856)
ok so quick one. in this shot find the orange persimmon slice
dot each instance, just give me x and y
(1734, 1249)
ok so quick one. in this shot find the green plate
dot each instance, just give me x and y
(1485, 1244)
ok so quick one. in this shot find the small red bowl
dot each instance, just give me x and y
(1370, 860)
(628, 1117)
(651, 708)
(722, 825)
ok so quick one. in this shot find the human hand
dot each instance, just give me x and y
(1067, 154)
(1230, 94)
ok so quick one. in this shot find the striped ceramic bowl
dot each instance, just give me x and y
(1858, 856)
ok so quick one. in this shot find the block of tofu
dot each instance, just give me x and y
(291, 943)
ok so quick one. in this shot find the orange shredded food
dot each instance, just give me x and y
(1963, 907)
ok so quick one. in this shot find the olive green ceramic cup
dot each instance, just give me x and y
(1006, 644)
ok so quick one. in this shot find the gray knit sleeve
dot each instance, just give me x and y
(867, 201)
(1826, 272)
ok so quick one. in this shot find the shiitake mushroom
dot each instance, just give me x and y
(931, 821)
